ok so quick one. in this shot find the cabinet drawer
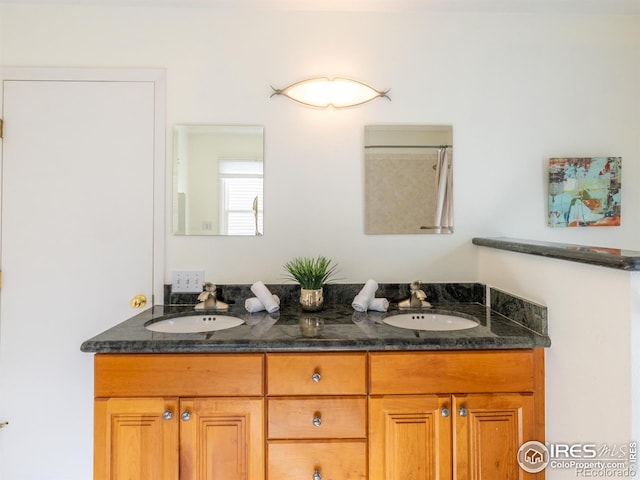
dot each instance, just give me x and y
(323, 417)
(316, 374)
(332, 460)
(447, 372)
(186, 375)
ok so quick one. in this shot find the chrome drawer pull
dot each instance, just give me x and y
(167, 415)
(316, 377)
(317, 421)
(444, 411)
(317, 475)
(186, 415)
(463, 412)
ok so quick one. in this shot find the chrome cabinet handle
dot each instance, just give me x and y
(316, 377)
(317, 421)
(317, 475)
(444, 411)
(186, 416)
(463, 412)
(167, 415)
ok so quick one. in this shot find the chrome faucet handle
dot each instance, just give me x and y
(417, 297)
(209, 296)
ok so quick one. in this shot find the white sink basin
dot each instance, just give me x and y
(430, 321)
(195, 323)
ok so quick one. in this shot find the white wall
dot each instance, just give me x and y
(517, 89)
(591, 368)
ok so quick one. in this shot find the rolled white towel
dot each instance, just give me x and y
(265, 296)
(379, 304)
(363, 298)
(253, 304)
(360, 303)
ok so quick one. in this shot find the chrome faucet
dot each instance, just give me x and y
(417, 298)
(209, 300)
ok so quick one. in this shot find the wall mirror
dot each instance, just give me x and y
(218, 180)
(408, 179)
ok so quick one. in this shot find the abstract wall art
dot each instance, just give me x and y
(584, 192)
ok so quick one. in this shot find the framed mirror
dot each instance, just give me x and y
(408, 179)
(218, 180)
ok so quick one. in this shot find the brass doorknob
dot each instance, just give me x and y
(138, 301)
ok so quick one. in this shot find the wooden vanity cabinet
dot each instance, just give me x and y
(437, 415)
(192, 417)
(453, 415)
(316, 416)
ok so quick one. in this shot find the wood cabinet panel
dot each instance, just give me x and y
(333, 460)
(223, 439)
(488, 433)
(447, 372)
(409, 438)
(132, 375)
(133, 441)
(340, 374)
(342, 417)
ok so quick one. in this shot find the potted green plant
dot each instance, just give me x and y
(311, 274)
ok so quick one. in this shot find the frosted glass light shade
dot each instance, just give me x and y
(325, 92)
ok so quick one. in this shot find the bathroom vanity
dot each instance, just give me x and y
(353, 399)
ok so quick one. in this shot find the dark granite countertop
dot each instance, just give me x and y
(621, 259)
(343, 329)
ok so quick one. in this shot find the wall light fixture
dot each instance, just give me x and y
(323, 92)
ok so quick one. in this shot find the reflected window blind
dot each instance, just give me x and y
(238, 216)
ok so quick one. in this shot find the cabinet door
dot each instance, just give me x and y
(222, 439)
(136, 439)
(410, 438)
(489, 429)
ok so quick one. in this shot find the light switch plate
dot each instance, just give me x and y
(187, 281)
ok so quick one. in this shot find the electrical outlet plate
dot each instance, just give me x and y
(187, 281)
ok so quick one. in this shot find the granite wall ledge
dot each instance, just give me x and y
(628, 260)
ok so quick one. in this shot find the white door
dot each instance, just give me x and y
(77, 243)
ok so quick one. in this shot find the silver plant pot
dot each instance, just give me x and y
(311, 300)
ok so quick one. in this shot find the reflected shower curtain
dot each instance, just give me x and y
(444, 208)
